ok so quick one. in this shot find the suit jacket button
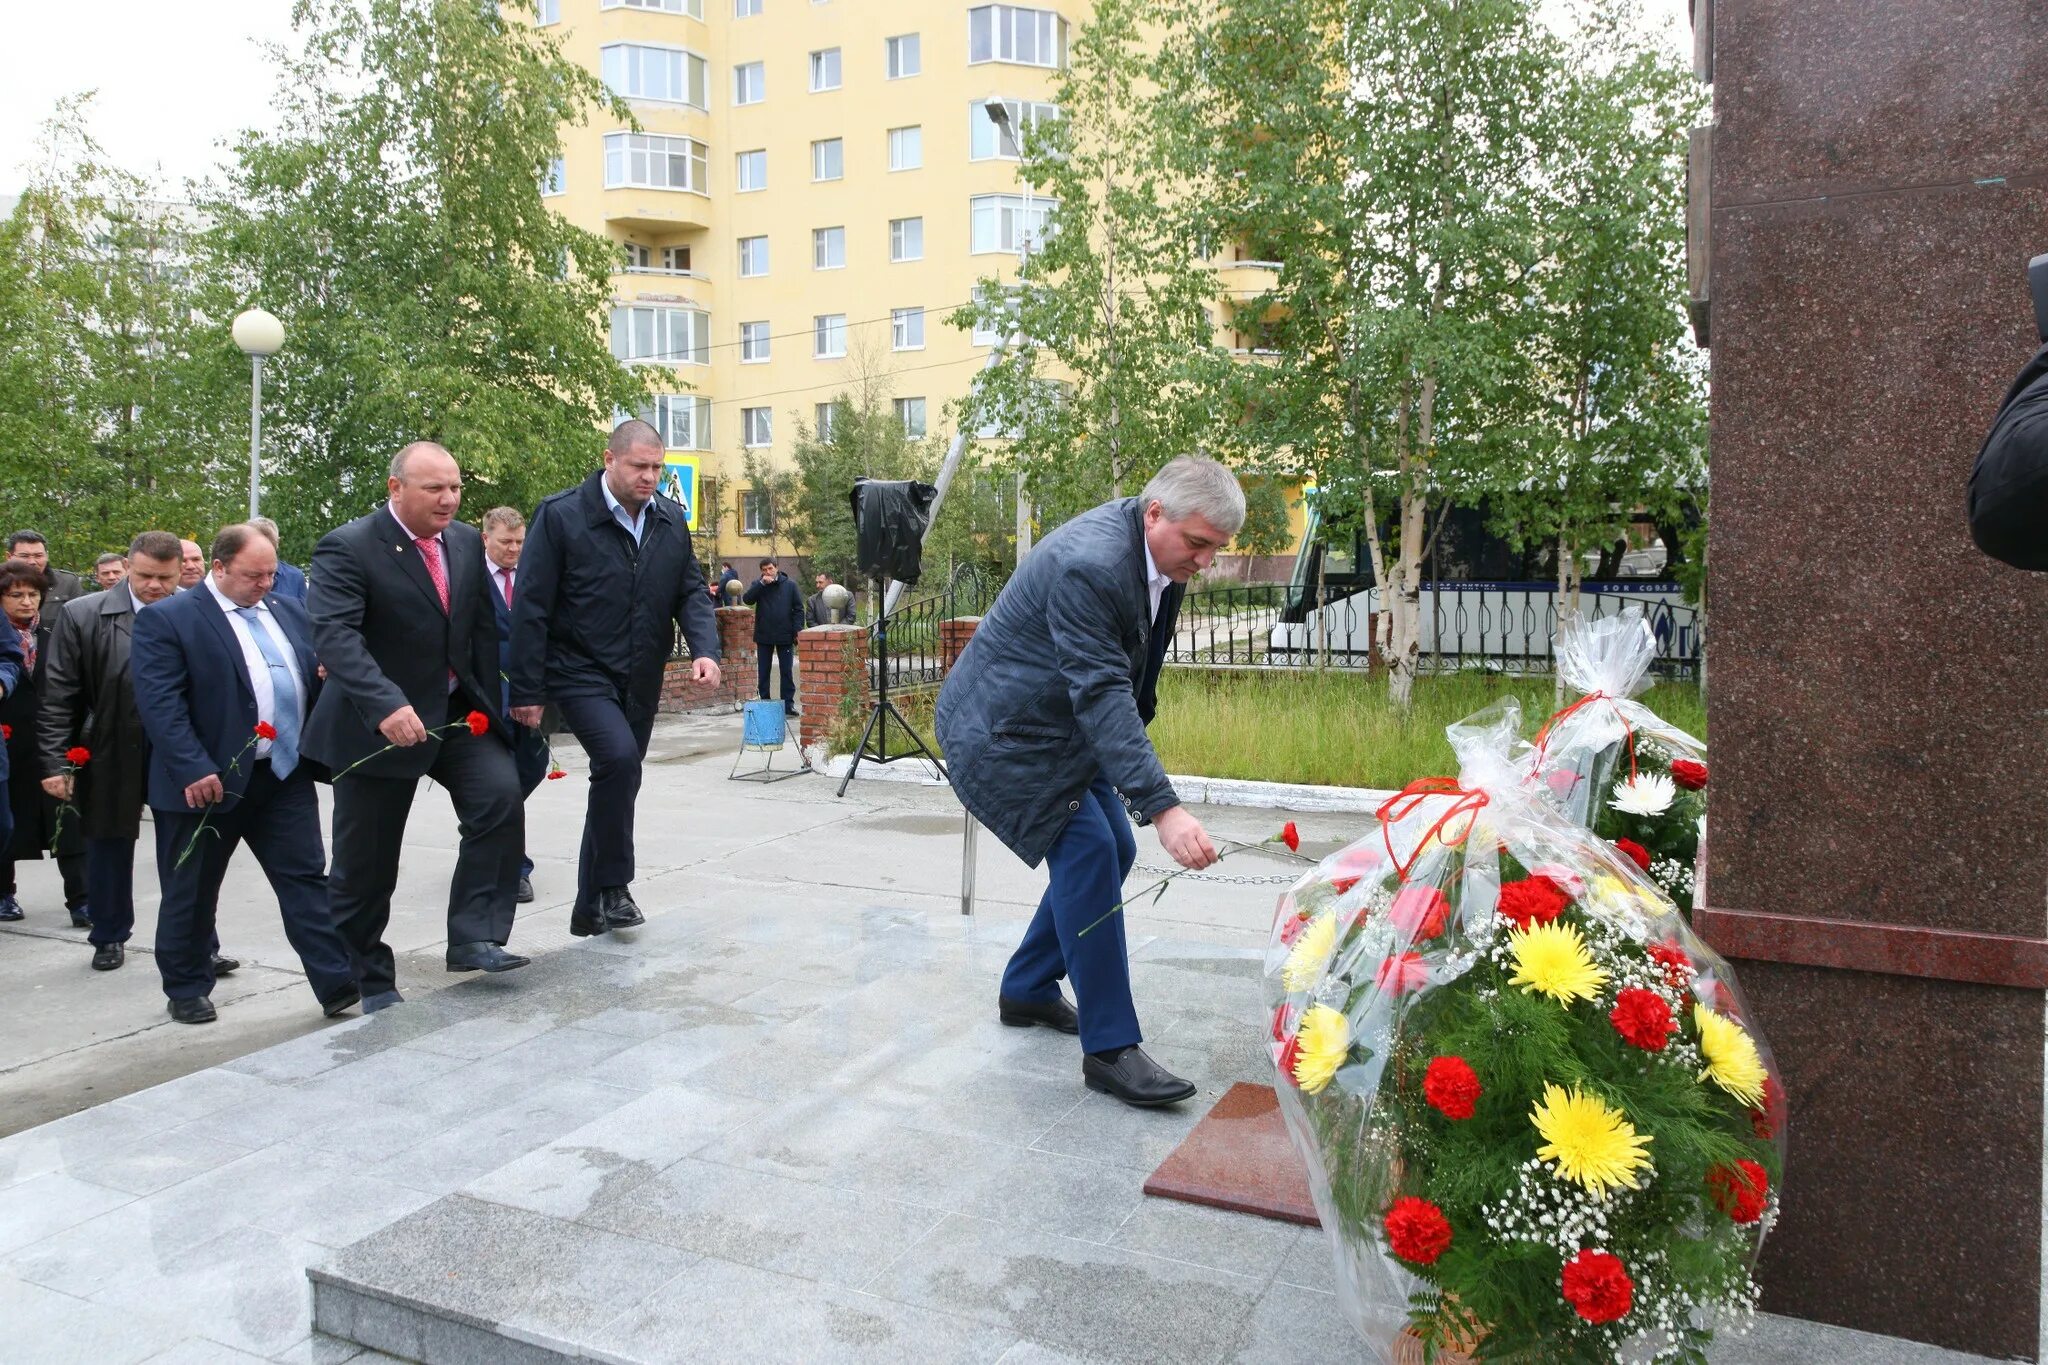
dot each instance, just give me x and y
(1073, 805)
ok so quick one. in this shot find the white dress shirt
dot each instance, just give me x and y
(1156, 584)
(257, 667)
(440, 541)
(634, 524)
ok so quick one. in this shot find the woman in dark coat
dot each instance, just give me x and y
(36, 824)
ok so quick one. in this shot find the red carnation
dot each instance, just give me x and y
(1291, 837)
(1451, 1086)
(1635, 852)
(1597, 1286)
(1285, 1017)
(1764, 1120)
(1291, 930)
(1675, 961)
(265, 730)
(555, 773)
(479, 723)
(6, 732)
(1533, 900)
(78, 756)
(1289, 1050)
(1688, 774)
(1419, 911)
(1642, 1018)
(1417, 1230)
(1740, 1190)
(1401, 973)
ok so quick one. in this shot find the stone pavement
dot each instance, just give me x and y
(778, 1123)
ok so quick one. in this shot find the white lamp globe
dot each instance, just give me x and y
(258, 333)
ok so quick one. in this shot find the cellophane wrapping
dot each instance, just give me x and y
(1615, 766)
(1538, 1119)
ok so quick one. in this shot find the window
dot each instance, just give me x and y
(556, 181)
(639, 257)
(905, 56)
(753, 342)
(750, 171)
(676, 259)
(906, 239)
(745, 9)
(693, 8)
(683, 419)
(906, 148)
(674, 336)
(988, 140)
(828, 336)
(1011, 33)
(650, 161)
(636, 71)
(757, 426)
(754, 512)
(1003, 222)
(550, 12)
(826, 413)
(910, 412)
(749, 83)
(828, 248)
(828, 159)
(825, 70)
(753, 257)
(987, 335)
(906, 329)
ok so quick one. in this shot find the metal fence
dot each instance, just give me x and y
(916, 657)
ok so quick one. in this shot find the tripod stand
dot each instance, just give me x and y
(874, 737)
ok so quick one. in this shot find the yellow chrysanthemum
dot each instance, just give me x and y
(1311, 953)
(1553, 960)
(1731, 1056)
(1592, 1144)
(1325, 1039)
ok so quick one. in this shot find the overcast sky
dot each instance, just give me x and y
(175, 80)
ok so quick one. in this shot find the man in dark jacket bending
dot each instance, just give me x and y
(778, 617)
(605, 579)
(1043, 723)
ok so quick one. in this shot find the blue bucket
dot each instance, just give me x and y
(766, 725)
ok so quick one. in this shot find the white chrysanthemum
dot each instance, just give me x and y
(1645, 794)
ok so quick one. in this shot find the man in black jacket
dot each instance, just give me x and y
(606, 577)
(402, 622)
(2009, 483)
(778, 618)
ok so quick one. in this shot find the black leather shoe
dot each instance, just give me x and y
(81, 918)
(381, 1000)
(616, 904)
(10, 909)
(1135, 1079)
(340, 1003)
(226, 966)
(482, 957)
(198, 1010)
(108, 957)
(583, 923)
(1055, 1013)
(524, 894)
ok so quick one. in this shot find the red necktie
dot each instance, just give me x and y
(505, 577)
(430, 552)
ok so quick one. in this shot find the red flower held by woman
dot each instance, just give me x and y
(78, 756)
(1533, 900)
(265, 730)
(1417, 1230)
(479, 723)
(1419, 911)
(1688, 774)
(1597, 1286)
(1634, 852)
(1642, 1018)
(1451, 1086)
(1741, 1191)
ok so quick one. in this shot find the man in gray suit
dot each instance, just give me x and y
(1043, 724)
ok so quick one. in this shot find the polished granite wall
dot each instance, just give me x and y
(1878, 700)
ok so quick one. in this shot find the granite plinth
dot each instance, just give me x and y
(1239, 1157)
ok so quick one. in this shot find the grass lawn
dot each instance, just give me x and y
(1337, 728)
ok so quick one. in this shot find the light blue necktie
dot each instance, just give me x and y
(284, 697)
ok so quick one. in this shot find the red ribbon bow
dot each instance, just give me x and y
(1406, 801)
(1627, 730)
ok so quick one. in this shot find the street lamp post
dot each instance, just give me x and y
(999, 115)
(260, 335)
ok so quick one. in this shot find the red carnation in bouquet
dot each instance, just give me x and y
(1643, 1019)
(1675, 961)
(1291, 930)
(1765, 1119)
(1740, 1191)
(1285, 1018)
(1417, 1230)
(1290, 1051)
(1634, 852)
(1451, 1086)
(265, 730)
(1401, 973)
(478, 722)
(1535, 899)
(1597, 1286)
(1419, 911)
(78, 756)
(1688, 774)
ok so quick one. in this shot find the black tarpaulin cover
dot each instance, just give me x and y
(890, 517)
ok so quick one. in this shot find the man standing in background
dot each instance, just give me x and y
(191, 565)
(504, 538)
(778, 620)
(109, 569)
(291, 579)
(30, 547)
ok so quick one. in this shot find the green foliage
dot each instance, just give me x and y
(1265, 530)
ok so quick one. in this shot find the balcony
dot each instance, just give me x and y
(656, 211)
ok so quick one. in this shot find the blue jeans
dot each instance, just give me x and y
(1087, 866)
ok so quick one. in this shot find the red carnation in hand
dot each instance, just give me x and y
(1419, 911)
(1688, 774)
(265, 730)
(6, 732)
(1291, 837)
(1401, 973)
(1417, 1230)
(78, 756)
(1451, 1086)
(1534, 899)
(1642, 1018)
(1675, 961)
(554, 773)
(479, 723)
(1597, 1286)
(1634, 852)
(1740, 1190)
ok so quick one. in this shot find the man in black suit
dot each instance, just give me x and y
(224, 678)
(778, 620)
(504, 536)
(606, 577)
(402, 623)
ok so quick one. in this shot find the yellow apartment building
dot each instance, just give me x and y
(816, 185)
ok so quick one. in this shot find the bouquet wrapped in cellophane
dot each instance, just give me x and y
(1538, 1121)
(1614, 765)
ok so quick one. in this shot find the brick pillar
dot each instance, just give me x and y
(953, 637)
(736, 666)
(831, 673)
